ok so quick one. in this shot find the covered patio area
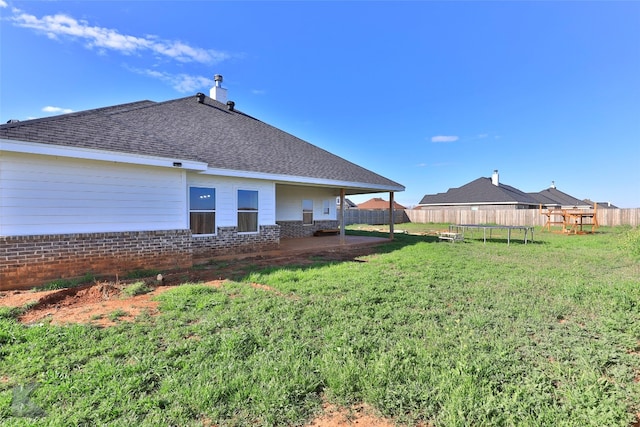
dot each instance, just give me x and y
(328, 242)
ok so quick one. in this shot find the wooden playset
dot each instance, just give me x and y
(573, 221)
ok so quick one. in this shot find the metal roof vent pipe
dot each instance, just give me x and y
(217, 92)
(231, 105)
(200, 97)
(495, 178)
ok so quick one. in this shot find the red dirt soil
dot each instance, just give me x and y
(92, 302)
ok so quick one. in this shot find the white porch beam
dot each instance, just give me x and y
(391, 215)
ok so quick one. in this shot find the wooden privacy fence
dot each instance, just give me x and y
(374, 216)
(533, 217)
(612, 217)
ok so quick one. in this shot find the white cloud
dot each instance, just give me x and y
(444, 138)
(60, 25)
(259, 92)
(3, 3)
(56, 110)
(183, 83)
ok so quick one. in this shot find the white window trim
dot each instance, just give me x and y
(326, 207)
(238, 210)
(303, 212)
(215, 211)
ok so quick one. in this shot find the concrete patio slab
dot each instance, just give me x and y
(311, 244)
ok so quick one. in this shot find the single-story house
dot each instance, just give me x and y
(490, 193)
(601, 205)
(480, 194)
(156, 185)
(379, 203)
(552, 198)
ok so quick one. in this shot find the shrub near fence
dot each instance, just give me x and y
(533, 217)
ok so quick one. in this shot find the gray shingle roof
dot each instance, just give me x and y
(481, 191)
(553, 196)
(186, 129)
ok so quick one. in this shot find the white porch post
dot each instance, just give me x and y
(391, 215)
(342, 214)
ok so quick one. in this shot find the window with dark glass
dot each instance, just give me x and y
(202, 210)
(247, 211)
(307, 212)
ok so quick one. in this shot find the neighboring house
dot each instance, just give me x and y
(601, 205)
(490, 193)
(379, 203)
(480, 194)
(157, 185)
(552, 198)
(348, 204)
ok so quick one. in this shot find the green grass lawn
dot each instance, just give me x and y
(443, 334)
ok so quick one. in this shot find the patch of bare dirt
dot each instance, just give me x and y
(358, 415)
(101, 304)
(94, 303)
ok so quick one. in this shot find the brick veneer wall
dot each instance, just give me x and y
(295, 229)
(228, 241)
(27, 261)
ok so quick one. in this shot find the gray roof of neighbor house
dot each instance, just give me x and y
(553, 196)
(205, 131)
(349, 204)
(479, 191)
(602, 205)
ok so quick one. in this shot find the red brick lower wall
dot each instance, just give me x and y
(228, 241)
(295, 229)
(28, 261)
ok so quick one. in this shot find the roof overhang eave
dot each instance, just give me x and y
(352, 187)
(100, 155)
(26, 147)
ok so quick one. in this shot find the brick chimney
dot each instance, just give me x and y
(217, 91)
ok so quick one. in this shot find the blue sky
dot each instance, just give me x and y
(430, 94)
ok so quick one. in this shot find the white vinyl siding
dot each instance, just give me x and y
(42, 194)
(55, 195)
(289, 202)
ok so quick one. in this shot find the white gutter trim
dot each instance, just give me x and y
(293, 179)
(101, 155)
